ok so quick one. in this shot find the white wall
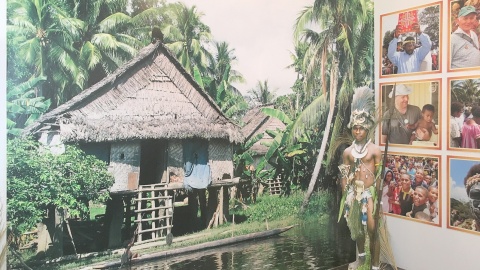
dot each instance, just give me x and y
(418, 245)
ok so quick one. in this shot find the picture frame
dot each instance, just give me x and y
(405, 120)
(460, 214)
(416, 188)
(400, 62)
(463, 95)
(462, 55)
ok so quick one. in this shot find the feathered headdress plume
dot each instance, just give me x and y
(363, 108)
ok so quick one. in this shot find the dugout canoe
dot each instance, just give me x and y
(198, 247)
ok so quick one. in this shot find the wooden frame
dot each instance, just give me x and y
(423, 92)
(433, 28)
(430, 165)
(468, 97)
(453, 8)
(459, 215)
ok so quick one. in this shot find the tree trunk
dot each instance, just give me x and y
(326, 135)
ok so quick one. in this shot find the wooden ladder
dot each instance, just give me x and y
(154, 213)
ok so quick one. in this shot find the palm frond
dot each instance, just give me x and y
(112, 22)
(90, 55)
(104, 41)
(310, 117)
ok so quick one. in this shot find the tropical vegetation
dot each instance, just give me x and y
(66, 46)
(39, 180)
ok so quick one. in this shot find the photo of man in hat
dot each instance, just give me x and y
(464, 44)
(410, 59)
(403, 114)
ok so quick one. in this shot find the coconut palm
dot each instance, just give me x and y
(222, 60)
(344, 25)
(44, 34)
(262, 94)
(105, 43)
(186, 35)
(467, 91)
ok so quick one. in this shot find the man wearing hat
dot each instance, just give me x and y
(403, 114)
(411, 58)
(464, 41)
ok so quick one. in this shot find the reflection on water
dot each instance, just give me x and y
(309, 246)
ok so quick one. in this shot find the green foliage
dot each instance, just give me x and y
(38, 179)
(186, 36)
(291, 158)
(23, 106)
(243, 156)
(271, 207)
(467, 91)
(262, 93)
(430, 17)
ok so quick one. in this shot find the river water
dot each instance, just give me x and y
(307, 246)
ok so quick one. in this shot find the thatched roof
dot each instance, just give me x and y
(149, 97)
(257, 122)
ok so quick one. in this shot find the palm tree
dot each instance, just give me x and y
(342, 41)
(222, 60)
(262, 94)
(467, 91)
(104, 43)
(186, 35)
(44, 34)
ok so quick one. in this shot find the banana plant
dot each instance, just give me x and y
(24, 106)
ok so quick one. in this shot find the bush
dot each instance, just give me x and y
(272, 207)
(37, 180)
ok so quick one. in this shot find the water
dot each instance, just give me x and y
(309, 246)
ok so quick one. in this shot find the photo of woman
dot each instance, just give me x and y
(464, 121)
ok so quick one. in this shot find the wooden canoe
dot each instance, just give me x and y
(203, 246)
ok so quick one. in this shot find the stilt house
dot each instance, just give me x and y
(159, 131)
(256, 122)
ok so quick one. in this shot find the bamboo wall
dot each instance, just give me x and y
(124, 159)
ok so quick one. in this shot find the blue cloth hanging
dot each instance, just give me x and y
(197, 169)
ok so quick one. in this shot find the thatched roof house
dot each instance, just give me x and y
(149, 97)
(146, 110)
(256, 122)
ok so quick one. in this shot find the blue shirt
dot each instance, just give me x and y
(409, 62)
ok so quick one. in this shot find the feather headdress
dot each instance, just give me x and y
(363, 108)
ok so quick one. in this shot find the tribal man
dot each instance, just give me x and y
(360, 163)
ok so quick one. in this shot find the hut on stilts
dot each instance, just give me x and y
(163, 139)
(256, 122)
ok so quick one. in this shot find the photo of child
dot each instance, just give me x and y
(409, 113)
(425, 126)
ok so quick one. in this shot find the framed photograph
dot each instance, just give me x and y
(464, 111)
(464, 194)
(411, 187)
(464, 33)
(411, 40)
(410, 113)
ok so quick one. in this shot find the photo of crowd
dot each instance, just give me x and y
(464, 34)
(411, 187)
(464, 194)
(410, 113)
(464, 119)
(411, 40)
